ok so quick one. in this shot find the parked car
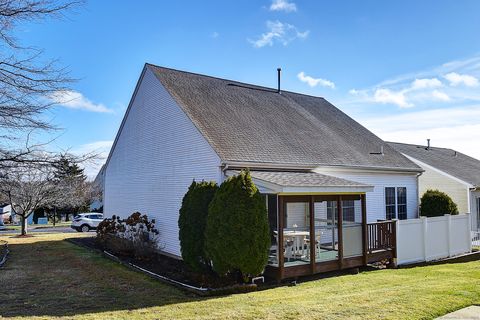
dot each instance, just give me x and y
(85, 222)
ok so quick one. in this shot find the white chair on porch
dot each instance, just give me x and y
(318, 249)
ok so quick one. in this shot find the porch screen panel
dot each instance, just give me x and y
(352, 228)
(326, 231)
(273, 223)
(296, 234)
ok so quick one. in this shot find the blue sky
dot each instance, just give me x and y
(408, 70)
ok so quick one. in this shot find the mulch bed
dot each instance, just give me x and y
(24, 236)
(169, 267)
(177, 270)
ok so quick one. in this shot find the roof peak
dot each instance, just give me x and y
(234, 82)
(422, 146)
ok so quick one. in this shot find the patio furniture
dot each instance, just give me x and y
(298, 242)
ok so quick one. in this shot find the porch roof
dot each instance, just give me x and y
(303, 182)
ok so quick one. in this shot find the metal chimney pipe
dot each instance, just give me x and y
(428, 144)
(279, 70)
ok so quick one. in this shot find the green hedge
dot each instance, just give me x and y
(192, 221)
(435, 203)
(237, 233)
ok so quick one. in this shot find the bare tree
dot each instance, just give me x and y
(28, 188)
(27, 83)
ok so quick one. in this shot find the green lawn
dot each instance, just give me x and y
(47, 277)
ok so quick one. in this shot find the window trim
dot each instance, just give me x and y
(396, 203)
(402, 204)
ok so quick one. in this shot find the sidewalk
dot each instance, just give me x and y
(469, 313)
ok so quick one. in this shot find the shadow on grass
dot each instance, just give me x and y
(48, 277)
(57, 278)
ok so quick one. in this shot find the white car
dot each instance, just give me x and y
(85, 222)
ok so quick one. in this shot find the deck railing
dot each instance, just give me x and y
(381, 236)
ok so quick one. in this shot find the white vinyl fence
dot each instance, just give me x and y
(476, 239)
(428, 239)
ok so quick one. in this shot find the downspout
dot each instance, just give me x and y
(418, 193)
(224, 168)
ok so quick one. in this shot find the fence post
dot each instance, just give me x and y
(425, 230)
(395, 241)
(449, 234)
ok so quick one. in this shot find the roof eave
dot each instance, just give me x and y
(308, 167)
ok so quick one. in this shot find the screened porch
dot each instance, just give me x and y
(317, 222)
(316, 233)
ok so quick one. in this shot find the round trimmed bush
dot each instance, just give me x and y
(435, 203)
(237, 233)
(192, 221)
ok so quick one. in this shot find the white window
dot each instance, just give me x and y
(396, 203)
(348, 208)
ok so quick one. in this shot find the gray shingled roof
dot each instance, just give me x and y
(449, 161)
(302, 179)
(249, 123)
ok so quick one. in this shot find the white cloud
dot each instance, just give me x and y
(398, 98)
(215, 35)
(75, 100)
(283, 33)
(101, 149)
(446, 113)
(313, 82)
(358, 93)
(283, 5)
(426, 83)
(455, 128)
(465, 79)
(454, 82)
(439, 95)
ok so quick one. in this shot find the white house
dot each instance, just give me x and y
(305, 155)
(449, 171)
(5, 212)
(98, 183)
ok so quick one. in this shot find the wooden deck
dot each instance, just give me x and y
(379, 244)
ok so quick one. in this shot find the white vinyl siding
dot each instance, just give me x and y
(157, 155)
(376, 209)
(458, 191)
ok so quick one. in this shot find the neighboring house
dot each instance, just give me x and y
(98, 184)
(449, 171)
(5, 212)
(305, 155)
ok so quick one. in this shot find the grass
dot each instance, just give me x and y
(46, 277)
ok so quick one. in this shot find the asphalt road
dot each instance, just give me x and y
(39, 230)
